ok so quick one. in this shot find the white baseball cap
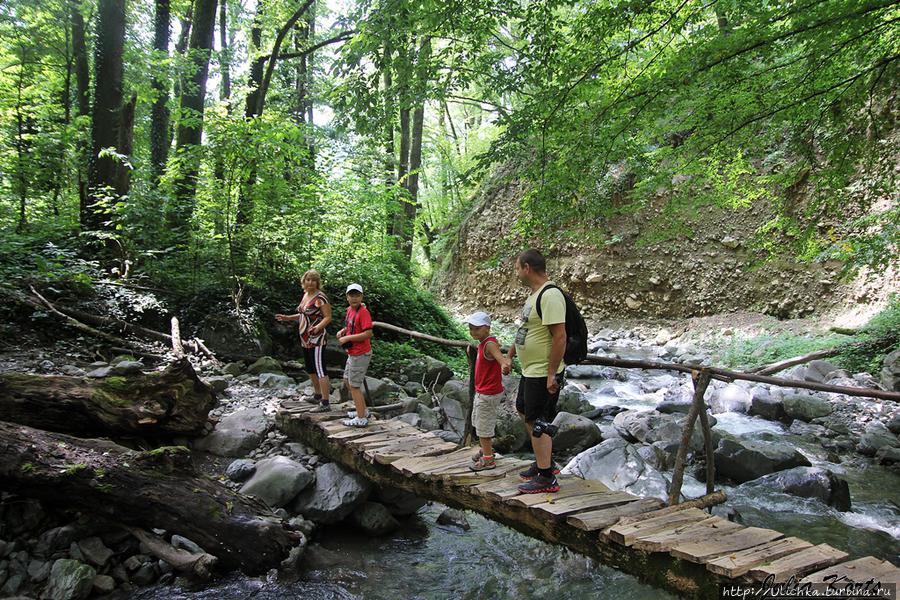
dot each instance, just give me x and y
(354, 287)
(478, 319)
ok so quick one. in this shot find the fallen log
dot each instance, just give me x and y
(170, 402)
(154, 489)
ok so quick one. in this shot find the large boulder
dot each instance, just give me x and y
(457, 390)
(809, 482)
(225, 335)
(236, 434)
(374, 519)
(265, 364)
(277, 481)
(745, 460)
(595, 372)
(377, 390)
(575, 432)
(806, 407)
(69, 580)
(764, 404)
(890, 371)
(455, 414)
(427, 371)
(619, 466)
(275, 381)
(730, 398)
(240, 469)
(820, 371)
(510, 434)
(651, 426)
(398, 502)
(335, 495)
(876, 437)
(429, 418)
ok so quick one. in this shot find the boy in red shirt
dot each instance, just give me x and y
(489, 365)
(356, 338)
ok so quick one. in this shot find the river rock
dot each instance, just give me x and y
(890, 371)
(619, 465)
(575, 432)
(38, 570)
(12, 584)
(240, 469)
(510, 434)
(888, 456)
(572, 400)
(652, 426)
(595, 372)
(374, 519)
(265, 364)
(456, 415)
(182, 543)
(277, 481)
(809, 482)
(95, 551)
(819, 371)
(893, 426)
(275, 381)
(236, 434)
(730, 398)
(413, 388)
(69, 580)
(426, 371)
(104, 584)
(744, 460)
(764, 404)
(54, 540)
(429, 418)
(876, 437)
(398, 502)
(457, 390)
(126, 367)
(454, 518)
(378, 391)
(335, 495)
(234, 369)
(217, 383)
(411, 418)
(805, 407)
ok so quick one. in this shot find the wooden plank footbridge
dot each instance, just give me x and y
(679, 547)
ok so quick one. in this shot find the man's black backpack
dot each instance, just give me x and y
(576, 328)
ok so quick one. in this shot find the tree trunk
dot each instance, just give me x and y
(173, 402)
(103, 172)
(389, 150)
(155, 489)
(126, 144)
(83, 101)
(190, 128)
(308, 61)
(224, 56)
(160, 138)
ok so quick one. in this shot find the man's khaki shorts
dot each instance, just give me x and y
(485, 411)
(355, 370)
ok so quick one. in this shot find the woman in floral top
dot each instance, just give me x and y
(313, 315)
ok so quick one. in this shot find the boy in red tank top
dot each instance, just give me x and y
(489, 394)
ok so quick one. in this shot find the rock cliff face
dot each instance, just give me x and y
(709, 268)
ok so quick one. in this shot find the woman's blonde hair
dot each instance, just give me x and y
(313, 275)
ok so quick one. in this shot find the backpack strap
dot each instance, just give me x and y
(537, 301)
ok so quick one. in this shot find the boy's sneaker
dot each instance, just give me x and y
(483, 464)
(532, 471)
(540, 484)
(321, 408)
(356, 422)
(352, 414)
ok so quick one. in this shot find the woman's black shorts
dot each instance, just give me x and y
(314, 360)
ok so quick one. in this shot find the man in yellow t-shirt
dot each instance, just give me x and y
(540, 344)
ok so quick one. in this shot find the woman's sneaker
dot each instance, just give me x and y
(540, 484)
(356, 422)
(532, 471)
(352, 414)
(483, 464)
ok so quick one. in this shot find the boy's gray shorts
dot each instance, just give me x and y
(485, 411)
(355, 370)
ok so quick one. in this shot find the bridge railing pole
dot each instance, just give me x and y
(701, 381)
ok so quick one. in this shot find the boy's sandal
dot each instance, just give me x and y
(483, 464)
(352, 414)
(476, 456)
(357, 422)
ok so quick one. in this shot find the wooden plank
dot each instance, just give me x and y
(360, 432)
(385, 457)
(603, 518)
(577, 487)
(505, 483)
(860, 570)
(626, 533)
(739, 563)
(665, 540)
(704, 551)
(799, 563)
(467, 477)
(416, 463)
(420, 465)
(567, 506)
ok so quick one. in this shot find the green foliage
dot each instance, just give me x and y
(745, 353)
(879, 337)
